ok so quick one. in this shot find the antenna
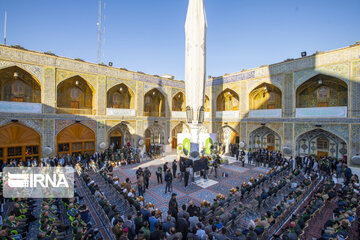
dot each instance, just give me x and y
(5, 29)
(99, 34)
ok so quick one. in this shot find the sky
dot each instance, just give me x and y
(148, 35)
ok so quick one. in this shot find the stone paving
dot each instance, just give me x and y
(156, 192)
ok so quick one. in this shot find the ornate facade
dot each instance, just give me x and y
(309, 105)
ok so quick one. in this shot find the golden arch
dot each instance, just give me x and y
(265, 96)
(120, 96)
(227, 100)
(178, 102)
(18, 85)
(207, 104)
(154, 103)
(19, 142)
(74, 139)
(322, 91)
(75, 96)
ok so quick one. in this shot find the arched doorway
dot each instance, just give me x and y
(116, 139)
(322, 91)
(229, 137)
(120, 96)
(75, 139)
(74, 96)
(178, 102)
(17, 85)
(154, 104)
(19, 142)
(265, 96)
(228, 100)
(264, 138)
(154, 136)
(321, 143)
(180, 128)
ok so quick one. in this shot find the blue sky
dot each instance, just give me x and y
(148, 35)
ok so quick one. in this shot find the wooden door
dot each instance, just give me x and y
(74, 104)
(174, 142)
(147, 144)
(19, 142)
(322, 154)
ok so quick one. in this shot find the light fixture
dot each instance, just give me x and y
(76, 82)
(320, 82)
(201, 115)
(303, 54)
(189, 114)
(154, 93)
(179, 96)
(16, 74)
(121, 89)
(265, 88)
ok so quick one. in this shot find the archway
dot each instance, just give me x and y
(228, 100)
(230, 137)
(265, 96)
(264, 138)
(178, 102)
(321, 143)
(74, 96)
(154, 135)
(19, 142)
(119, 135)
(207, 104)
(17, 85)
(322, 91)
(154, 104)
(120, 96)
(180, 128)
(75, 139)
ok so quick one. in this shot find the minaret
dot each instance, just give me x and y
(195, 63)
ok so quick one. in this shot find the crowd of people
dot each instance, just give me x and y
(215, 221)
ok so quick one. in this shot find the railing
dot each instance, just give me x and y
(227, 114)
(20, 107)
(120, 112)
(82, 111)
(322, 112)
(265, 113)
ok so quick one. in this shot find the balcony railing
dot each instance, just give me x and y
(178, 114)
(80, 111)
(227, 114)
(322, 112)
(20, 107)
(121, 112)
(265, 113)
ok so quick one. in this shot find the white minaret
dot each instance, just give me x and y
(195, 62)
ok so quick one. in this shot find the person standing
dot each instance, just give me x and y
(182, 170)
(173, 206)
(159, 175)
(147, 175)
(216, 165)
(186, 177)
(237, 154)
(347, 174)
(174, 168)
(140, 185)
(165, 168)
(168, 181)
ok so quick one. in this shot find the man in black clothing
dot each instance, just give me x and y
(155, 235)
(187, 175)
(165, 168)
(182, 225)
(173, 206)
(147, 175)
(174, 168)
(168, 181)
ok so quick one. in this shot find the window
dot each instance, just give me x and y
(89, 146)
(77, 146)
(323, 93)
(63, 147)
(271, 139)
(322, 143)
(18, 89)
(14, 151)
(75, 93)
